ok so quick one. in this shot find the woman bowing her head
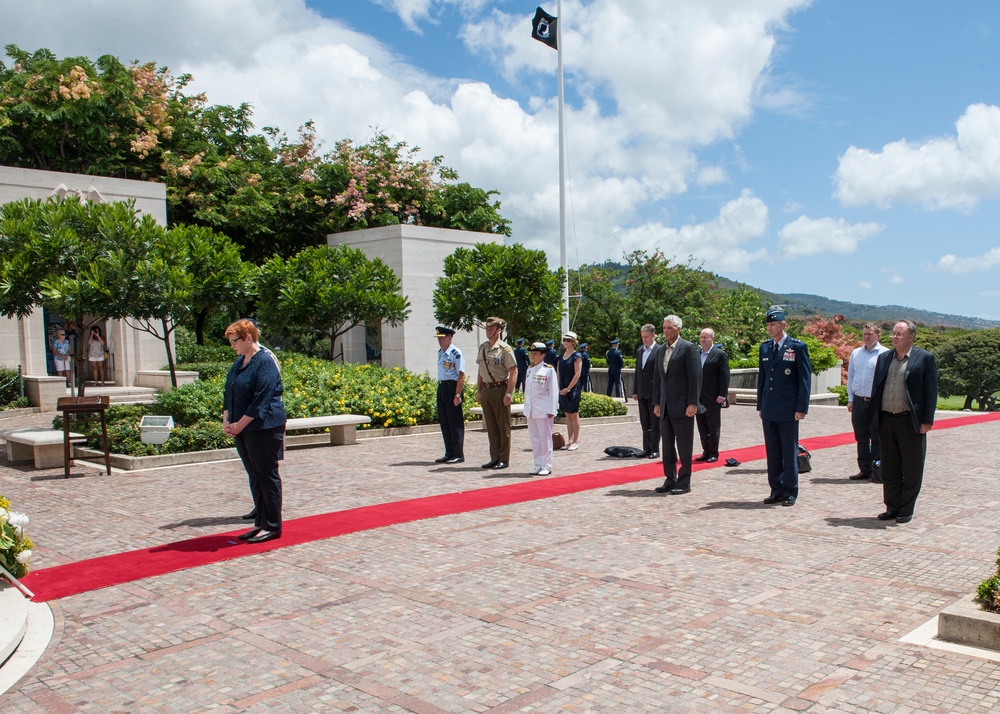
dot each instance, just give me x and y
(254, 415)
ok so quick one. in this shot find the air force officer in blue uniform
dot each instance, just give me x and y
(784, 377)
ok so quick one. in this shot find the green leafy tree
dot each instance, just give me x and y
(738, 321)
(189, 273)
(78, 259)
(509, 281)
(598, 314)
(270, 193)
(330, 290)
(969, 366)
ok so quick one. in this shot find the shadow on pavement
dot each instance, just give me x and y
(739, 505)
(205, 521)
(635, 493)
(868, 524)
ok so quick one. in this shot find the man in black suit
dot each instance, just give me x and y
(676, 386)
(642, 392)
(714, 392)
(904, 397)
(784, 378)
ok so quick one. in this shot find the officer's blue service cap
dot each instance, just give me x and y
(775, 314)
(442, 331)
(520, 340)
(549, 343)
(583, 345)
(614, 341)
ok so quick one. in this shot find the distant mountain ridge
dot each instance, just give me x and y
(804, 305)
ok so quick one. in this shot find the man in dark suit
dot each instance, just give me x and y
(642, 392)
(714, 392)
(904, 397)
(676, 386)
(784, 377)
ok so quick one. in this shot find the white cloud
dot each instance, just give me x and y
(894, 277)
(412, 12)
(690, 74)
(987, 261)
(946, 172)
(722, 244)
(865, 285)
(675, 81)
(809, 236)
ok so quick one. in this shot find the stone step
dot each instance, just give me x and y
(13, 619)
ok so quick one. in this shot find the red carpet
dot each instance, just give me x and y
(74, 578)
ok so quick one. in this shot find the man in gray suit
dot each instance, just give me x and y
(676, 389)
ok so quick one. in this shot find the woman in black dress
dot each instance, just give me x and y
(570, 366)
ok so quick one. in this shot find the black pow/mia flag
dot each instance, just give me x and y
(543, 28)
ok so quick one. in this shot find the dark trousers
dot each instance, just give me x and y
(678, 443)
(260, 452)
(650, 426)
(496, 417)
(903, 452)
(615, 386)
(710, 428)
(781, 441)
(521, 374)
(451, 419)
(863, 434)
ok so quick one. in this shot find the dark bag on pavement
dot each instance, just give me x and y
(805, 459)
(624, 452)
(558, 441)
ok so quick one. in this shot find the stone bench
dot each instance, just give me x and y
(516, 413)
(342, 426)
(45, 446)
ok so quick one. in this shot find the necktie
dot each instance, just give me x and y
(774, 350)
(666, 356)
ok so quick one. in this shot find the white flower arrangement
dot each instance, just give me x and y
(15, 547)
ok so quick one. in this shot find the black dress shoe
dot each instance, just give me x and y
(887, 516)
(249, 516)
(654, 454)
(861, 477)
(703, 457)
(264, 536)
(771, 500)
(667, 486)
(442, 460)
(456, 460)
(491, 463)
(249, 534)
(711, 459)
(790, 501)
(500, 465)
(679, 491)
(904, 519)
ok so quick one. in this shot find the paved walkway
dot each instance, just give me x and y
(614, 599)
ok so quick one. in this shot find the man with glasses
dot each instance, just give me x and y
(904, 398)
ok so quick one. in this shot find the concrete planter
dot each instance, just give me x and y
(965, 623)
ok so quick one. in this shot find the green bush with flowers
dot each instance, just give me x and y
(15, 547)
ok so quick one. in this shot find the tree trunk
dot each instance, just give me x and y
(170, 353)
(199, 326)
(968, 402)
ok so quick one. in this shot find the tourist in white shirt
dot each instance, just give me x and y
(860, 375)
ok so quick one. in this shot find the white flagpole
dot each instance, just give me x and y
(562, 173)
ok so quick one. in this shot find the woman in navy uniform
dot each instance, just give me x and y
(784, 377)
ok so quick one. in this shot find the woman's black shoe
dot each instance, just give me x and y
(250, 516)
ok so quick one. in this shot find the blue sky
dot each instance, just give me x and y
(846, 148)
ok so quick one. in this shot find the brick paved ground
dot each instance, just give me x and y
(609, 600)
